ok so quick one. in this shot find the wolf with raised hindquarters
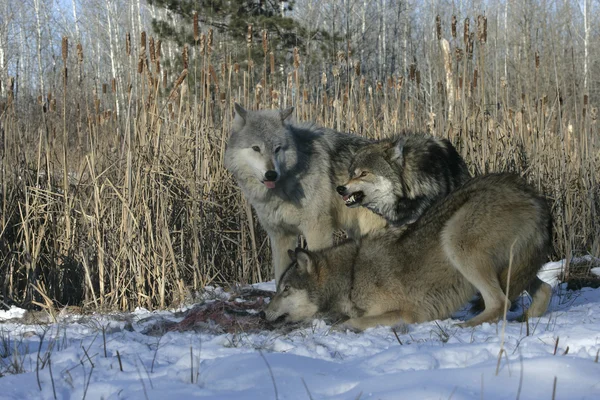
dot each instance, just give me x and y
(289, 174)
(399, 178)
(464, 243)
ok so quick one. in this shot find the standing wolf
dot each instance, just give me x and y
(400, 178)
(465, 243)
(289, 173)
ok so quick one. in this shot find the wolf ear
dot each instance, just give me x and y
(304, 260)
(285, 114)
(240, 117)
(292, 255)
(396, 151)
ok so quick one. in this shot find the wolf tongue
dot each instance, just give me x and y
(346, 197)
(269, 184)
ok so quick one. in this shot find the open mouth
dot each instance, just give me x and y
(354, 199)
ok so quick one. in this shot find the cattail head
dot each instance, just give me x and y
(466, 31)
(265, 43)
(438, 27)
(143, 41)
(249, 36)
(185, 57)
(104, 88)
(412, 71)
(79, 53)
(152, 51)
(196, 29)
(209, 41)
(202, 44)
(458, 54)
(341, 56)
(158, 50)
(128, 43)
(272, 61)
(418, 78)
(470, 44)
(454, 26)
(236, 68)
(324, 79)
(65, 49)
(113, 84)
(296, 58)
(475, 78)
(482, 28)
(140, 67)
(537, 60)
(357, 68)
(164, 80)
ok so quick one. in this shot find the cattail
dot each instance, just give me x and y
(482, 28)
(357, 68)
(324, 79)
(196, 30)
(399, 83)
(379, 86)
(209, 41)
(537, 60)
(249, 36)
(158, 50)
(236, 68)
(341, 56)
(143, 41)
(213, 74)
(152, 50)
(265, 43)
(202, 44)
(458, 53)
(140, 66)
(113, 84)
(185, 57)
(128, 43)
(454, 26)
(65, 49)
(475, 78)
(296, 58)
(412, 71)
(178, 82)
(470, 45)
(79, 53)
(272, 60)
(466, 32)
(438, 27)
(104, 88)
(164, 80)
(222, 97)
(418, 77)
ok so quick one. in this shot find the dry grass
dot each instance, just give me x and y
(136, 209)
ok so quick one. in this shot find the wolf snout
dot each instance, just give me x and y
(271, 175)
(341, 189)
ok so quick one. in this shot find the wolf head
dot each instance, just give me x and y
(374, 179)
(295, 299)
(257, 148)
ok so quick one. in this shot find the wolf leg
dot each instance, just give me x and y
(390, 318)
(541, 293)
(281, 242)
(319, 235)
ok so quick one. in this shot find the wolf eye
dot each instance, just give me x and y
(363, 174)
(286, 288)
(256, 148)
(277, 149)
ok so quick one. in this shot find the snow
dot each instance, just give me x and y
(434, 360)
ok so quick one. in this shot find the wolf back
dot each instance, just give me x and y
(288, 173)
(463, 244)
(399, 178)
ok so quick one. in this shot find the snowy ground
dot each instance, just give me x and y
(436, 360)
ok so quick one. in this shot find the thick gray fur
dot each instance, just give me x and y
(399, 178)
(465, 243)
(310, 162)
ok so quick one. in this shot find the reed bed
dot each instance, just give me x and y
(114, 196)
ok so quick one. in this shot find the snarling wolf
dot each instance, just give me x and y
(467, 242)
(399, 178)
(289, 174)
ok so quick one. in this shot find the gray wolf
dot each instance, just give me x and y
(289, 173)
(399, 178)
(464, 243)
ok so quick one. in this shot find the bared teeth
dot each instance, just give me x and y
(350, 200)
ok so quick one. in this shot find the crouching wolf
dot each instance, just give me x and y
(289, 174)
(470, 241)
(400, 178)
